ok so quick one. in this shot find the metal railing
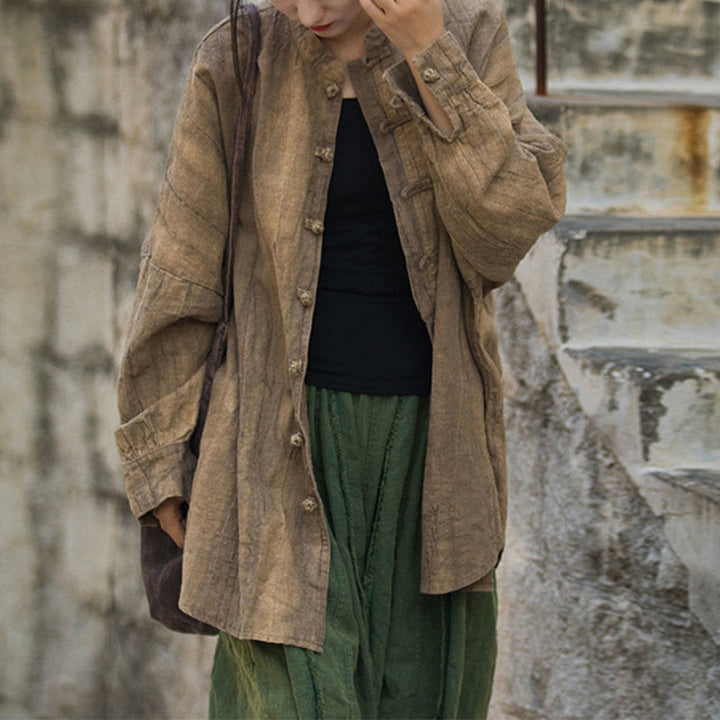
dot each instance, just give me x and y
(540, 49)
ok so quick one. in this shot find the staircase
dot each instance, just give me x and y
(633, 315)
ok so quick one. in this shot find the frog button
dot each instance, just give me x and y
(305, 297)
(309, 504)
(430, 75)
(296, 439)
(325, 154)
(332, 89)
(316, 227)
(296, 368)
(425, 260)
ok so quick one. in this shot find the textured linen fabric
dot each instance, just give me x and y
(468, 206)
(390, 651)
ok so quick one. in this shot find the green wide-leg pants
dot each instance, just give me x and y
(390, 651)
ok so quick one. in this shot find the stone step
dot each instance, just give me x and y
(654, 407)
(630, 281)
(688, 500)
(638, 153)
(701, 482)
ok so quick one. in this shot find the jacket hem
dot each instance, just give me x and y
(312, 642)
(473, 580)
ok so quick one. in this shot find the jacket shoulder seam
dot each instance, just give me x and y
(218, 26)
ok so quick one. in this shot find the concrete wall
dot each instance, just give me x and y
(88, 92)
(597, 616)
(611, 578)
(638, 45)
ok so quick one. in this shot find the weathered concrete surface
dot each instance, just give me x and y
(656, 407)
(688, 500)
(622, 280)
(88, 92)
(639, 153)
(637, 45)
(628, 308)
(595, 614)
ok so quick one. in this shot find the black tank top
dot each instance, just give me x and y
(367, 335)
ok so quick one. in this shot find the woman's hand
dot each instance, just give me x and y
(171, 516)
(410, 25)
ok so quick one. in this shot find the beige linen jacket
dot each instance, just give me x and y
(468, 207)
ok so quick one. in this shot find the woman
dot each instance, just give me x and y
(347, 509)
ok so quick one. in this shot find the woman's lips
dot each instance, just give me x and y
(321, 28)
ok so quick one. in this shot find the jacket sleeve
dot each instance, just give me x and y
(499, 176)
(178, 303)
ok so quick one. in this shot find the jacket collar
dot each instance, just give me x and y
(313, 50)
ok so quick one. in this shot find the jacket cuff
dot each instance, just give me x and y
(153, 478)
(450, 77)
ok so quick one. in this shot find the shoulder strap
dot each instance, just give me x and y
(247, 83)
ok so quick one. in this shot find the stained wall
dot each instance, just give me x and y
(597, 617)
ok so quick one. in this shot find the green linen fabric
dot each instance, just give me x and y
(390, 651)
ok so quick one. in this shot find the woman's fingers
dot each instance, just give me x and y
(409, 24)
(176, 530)
(372, 9)
(172, 520)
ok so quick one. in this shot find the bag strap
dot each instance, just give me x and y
(247, 84)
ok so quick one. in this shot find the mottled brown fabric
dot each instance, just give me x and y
(468, 207)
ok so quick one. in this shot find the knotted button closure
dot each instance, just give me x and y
(430, 75)
(390, 123)
(296, 367)
(326, 154)
(314, 226)
(332, 89)
(427, 260)
(309, 504)
(296, 439)
(305, 297)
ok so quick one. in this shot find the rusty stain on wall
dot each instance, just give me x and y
(694, 153)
